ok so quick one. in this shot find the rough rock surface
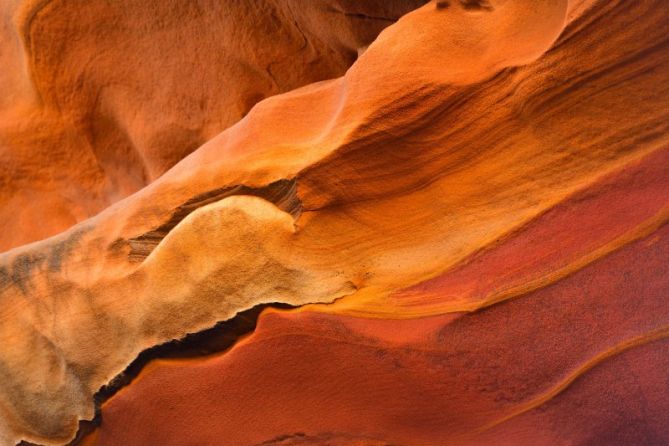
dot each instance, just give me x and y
(472, 218)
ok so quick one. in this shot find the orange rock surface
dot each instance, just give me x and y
(100, 98)
(470, 214)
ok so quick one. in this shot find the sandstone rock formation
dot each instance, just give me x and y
(470, 216)
(100, 98)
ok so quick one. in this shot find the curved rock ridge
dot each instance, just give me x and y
(98, 98)
(484, 193)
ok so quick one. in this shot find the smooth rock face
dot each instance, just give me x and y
(467, 202)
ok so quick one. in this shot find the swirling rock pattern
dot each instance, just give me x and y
(471, 220)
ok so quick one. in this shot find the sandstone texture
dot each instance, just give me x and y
(334, 222)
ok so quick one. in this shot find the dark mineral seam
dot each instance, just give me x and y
(359, 15)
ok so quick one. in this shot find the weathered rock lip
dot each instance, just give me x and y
(282, 193)
(214, 340)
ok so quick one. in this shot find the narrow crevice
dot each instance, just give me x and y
(282, 193)
(362, 16)
(217, 339)
(477, 5)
